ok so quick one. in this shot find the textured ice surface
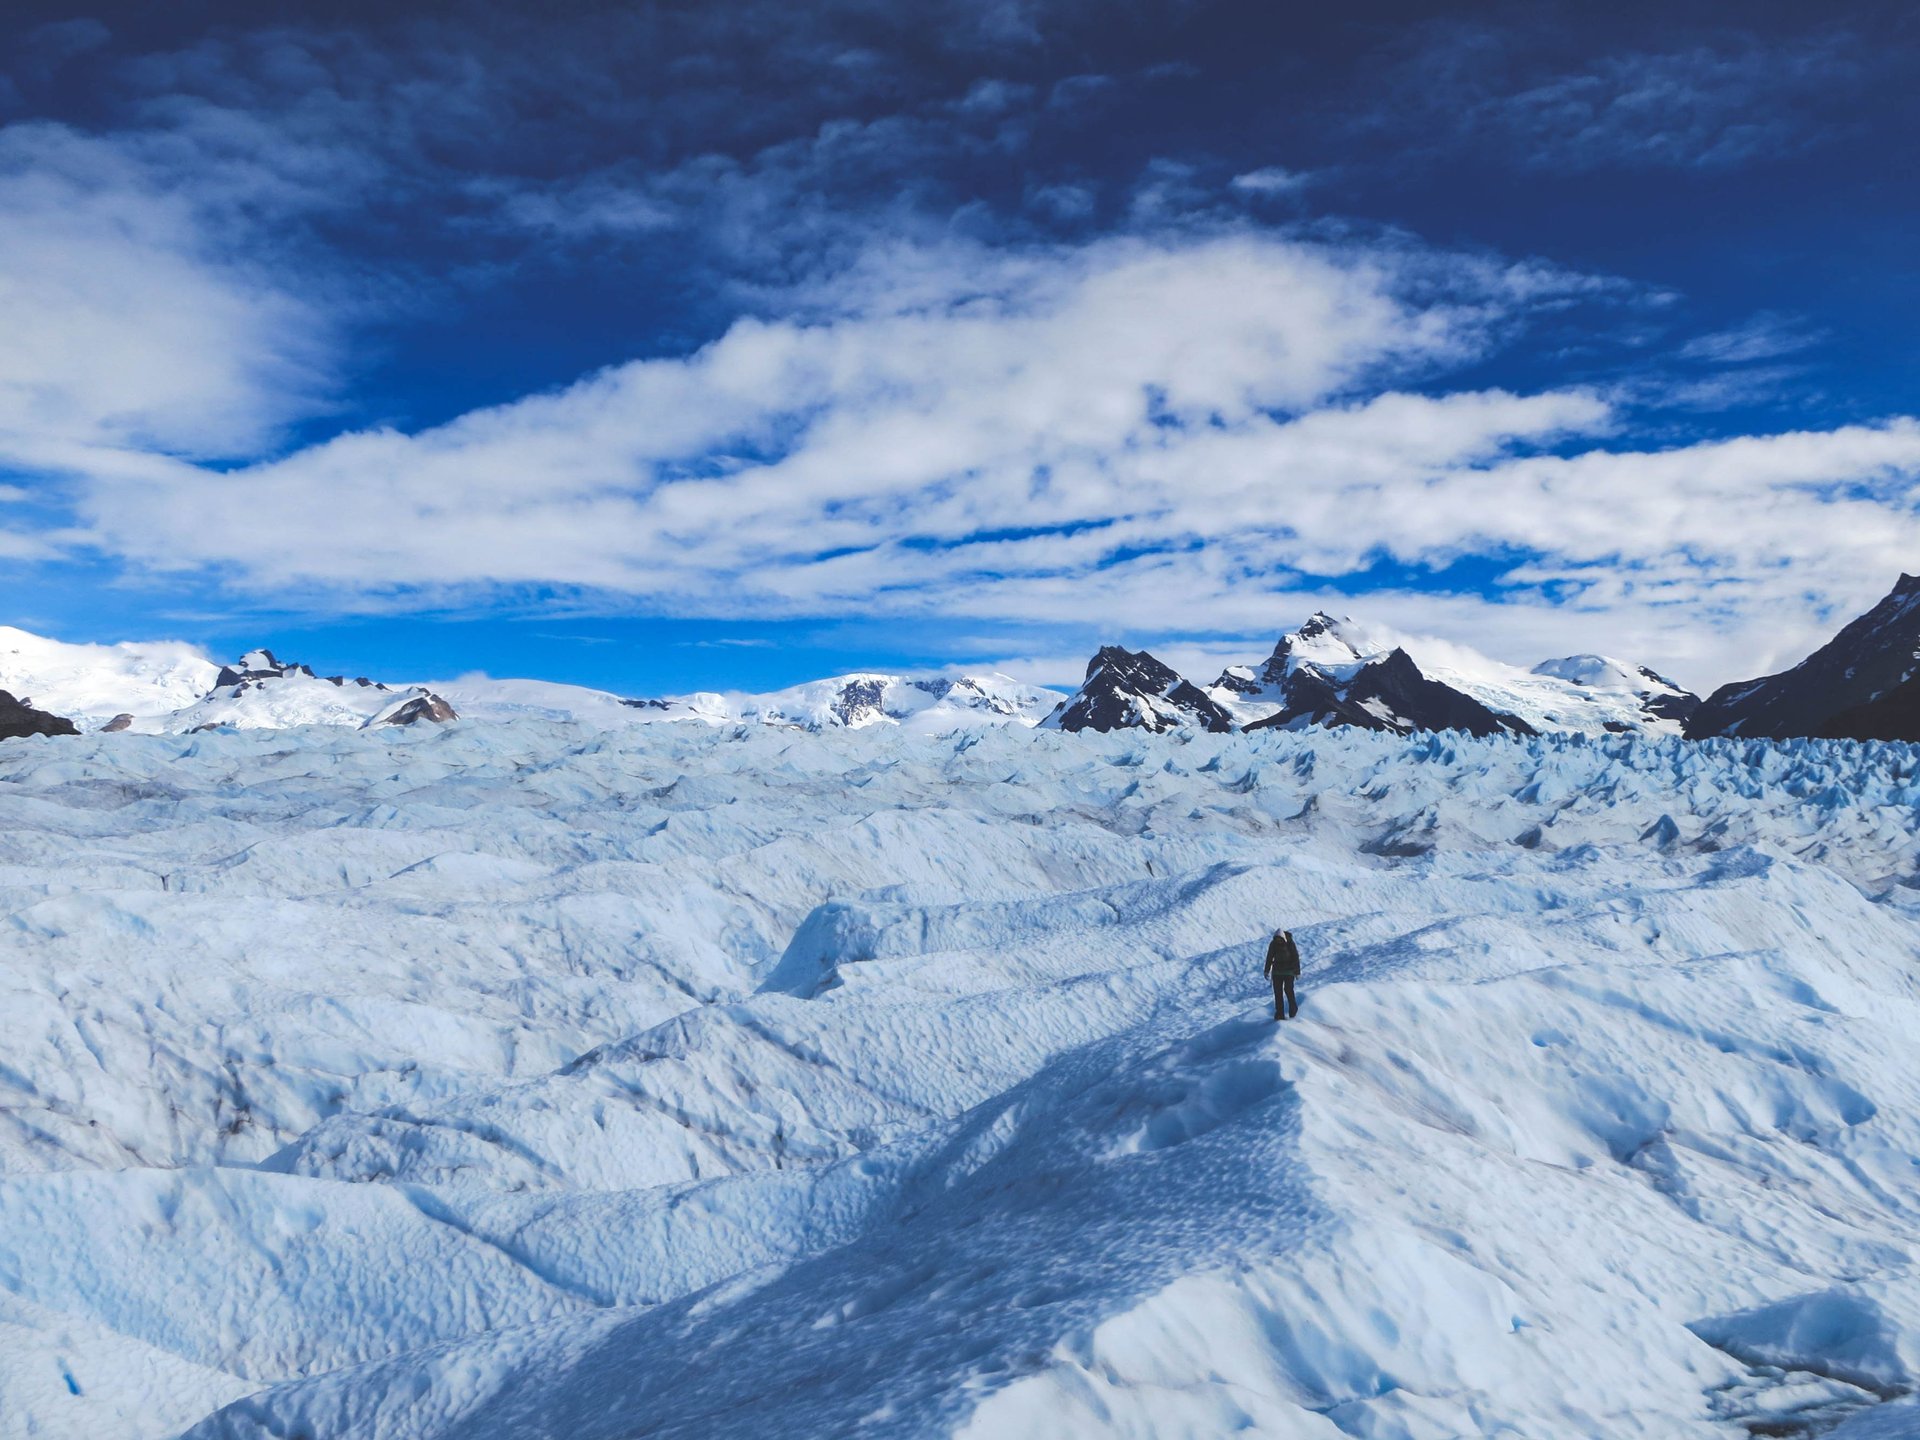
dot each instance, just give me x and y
(528, 1080)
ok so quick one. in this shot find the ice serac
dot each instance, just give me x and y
(1838, 689)
(1131, 690)
(18, 718)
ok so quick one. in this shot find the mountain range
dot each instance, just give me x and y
(1331, 671)
(1335, 672)
(165, 687)
(1864, 684)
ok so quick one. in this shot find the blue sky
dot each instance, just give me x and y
(684, 346)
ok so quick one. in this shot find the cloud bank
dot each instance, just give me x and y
(1176, 434)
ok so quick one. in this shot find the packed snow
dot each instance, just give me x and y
(533, 1079)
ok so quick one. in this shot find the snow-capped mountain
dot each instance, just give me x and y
(262, 692)
(1343, 672)
(1129, 689)
(933, 704)
(168, 687)
(1652, 701)
(91, 684)
(1339, 672)
(928, 704)
(1857, 686)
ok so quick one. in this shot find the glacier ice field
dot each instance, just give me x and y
(531, 1081)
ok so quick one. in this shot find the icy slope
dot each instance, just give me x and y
(528, 1080)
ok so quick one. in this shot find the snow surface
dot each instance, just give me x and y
(538, 1080)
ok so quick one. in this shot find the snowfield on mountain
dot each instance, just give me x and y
(524, 1079)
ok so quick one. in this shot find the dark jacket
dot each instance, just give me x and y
(1283, 956)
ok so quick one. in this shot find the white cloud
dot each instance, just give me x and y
(120, 327)
(1765, 336)
(1138, 438)
(1083, 389)
(1272, 180)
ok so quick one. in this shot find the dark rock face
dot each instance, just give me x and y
(427, 706)
(1669, 707)
(122, 721)
(1390, 694)
(256, 665)
(861, 700)
(1318, 677)
(1129, 690)
(1838, 687)
(18, 717)
(1892, 716)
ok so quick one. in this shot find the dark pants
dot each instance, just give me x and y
(1284, 1001)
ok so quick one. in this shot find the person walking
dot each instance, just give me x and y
(1283, 968)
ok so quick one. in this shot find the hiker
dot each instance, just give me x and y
(1283, 968)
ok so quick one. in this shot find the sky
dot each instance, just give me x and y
(728, 345)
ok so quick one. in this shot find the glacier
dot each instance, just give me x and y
(531, 1079)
